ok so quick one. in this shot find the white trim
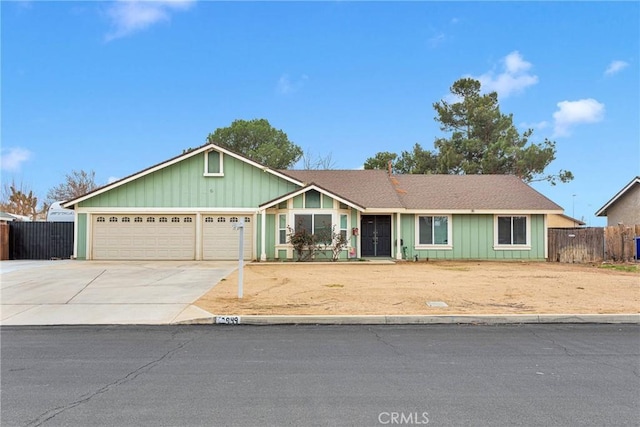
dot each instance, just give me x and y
(75, 235)
(263, 234)
(603, 210)
(199, 239)
(170, 162)
(155, 210)
(220, 165)
(398, 237)
(499, 247)
(546, 236)
(441, 212)
(305, 189)
(444, 247)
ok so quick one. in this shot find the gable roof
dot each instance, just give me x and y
(375, 189)
(311, 186)
(203, 148)
(370, 188)
(603, 210)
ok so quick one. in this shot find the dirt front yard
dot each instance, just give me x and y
(407, 288)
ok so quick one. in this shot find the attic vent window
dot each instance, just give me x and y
(213, 163)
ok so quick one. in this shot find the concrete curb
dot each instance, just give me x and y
(415, 320)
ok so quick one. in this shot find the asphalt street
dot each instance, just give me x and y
(443, 375)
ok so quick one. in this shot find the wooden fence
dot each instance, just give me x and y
(593, 244)
(4, 241)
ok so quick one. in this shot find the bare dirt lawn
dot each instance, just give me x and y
(406, 287)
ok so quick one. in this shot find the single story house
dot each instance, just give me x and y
(186, 208)
(564, 221)
(624, 207)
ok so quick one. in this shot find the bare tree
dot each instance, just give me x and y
(18, 199)
(312, 162)
(77, 183)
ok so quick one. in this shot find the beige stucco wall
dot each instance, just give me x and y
(626, 209)
(559, 221)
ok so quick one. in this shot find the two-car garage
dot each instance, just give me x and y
(169, 236)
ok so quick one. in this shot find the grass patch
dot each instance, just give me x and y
(621, 267)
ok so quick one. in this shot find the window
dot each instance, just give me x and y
(208, 219)
(175, 219)
(222, 219)
(137, 219)
(113, 219)
(282, 205)
(312, 199)
(318, 224)
(512, 231)
(343, 226)
(247, 219)
(163, 219)
(151, 219)
(282, 229)
(233, 219)
(125, 219)
(187, 219)
(213, 163)
(100, 219)
(434, 231)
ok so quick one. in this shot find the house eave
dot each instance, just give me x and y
(603, 210)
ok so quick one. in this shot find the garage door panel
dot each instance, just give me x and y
(220, 241)
(144, 237)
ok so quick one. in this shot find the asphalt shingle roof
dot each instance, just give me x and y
(376, 189)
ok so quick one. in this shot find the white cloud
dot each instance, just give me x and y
(286, 86)
(11, 159)
(615, 67)
(571, 113)
(130, 16)
(514, 78)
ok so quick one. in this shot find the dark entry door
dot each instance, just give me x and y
(375, 235)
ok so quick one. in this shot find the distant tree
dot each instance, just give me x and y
(259, 141)
(76, 184)
(20, 200)
(482, 141)
(311, 162)
(381, 161)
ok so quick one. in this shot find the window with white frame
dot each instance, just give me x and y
(282, 229)
(433, 230)
(213, 163)
(344, 222)
(512, 231)
(318, 224)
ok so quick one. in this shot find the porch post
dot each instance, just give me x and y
(263, 234)
(398, 238)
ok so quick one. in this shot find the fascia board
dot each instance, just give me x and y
(204, 148)
(603, 210)
(303, 190)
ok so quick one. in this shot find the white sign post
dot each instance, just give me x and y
(240, 227)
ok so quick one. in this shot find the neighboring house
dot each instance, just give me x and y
(185, 209)
(624, 207)
(564, 221)
(7, 217)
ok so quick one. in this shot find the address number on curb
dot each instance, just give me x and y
(228, 320)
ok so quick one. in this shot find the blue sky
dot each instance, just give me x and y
(116, 87)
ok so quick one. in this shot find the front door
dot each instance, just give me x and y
(375, 235)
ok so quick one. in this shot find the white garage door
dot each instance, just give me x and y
(220, 240)
(140, 237)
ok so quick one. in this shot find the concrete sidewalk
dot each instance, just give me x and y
(68, 292)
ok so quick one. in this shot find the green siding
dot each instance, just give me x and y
(184, 185)
(82, 236)
(327, 202)
(473, 239)
(298, 201)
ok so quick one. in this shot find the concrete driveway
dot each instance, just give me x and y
(69, 292)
